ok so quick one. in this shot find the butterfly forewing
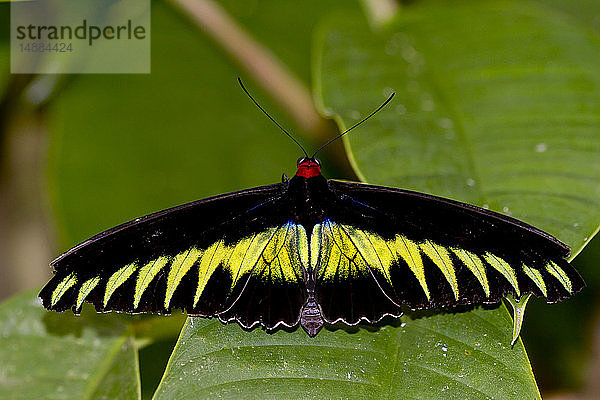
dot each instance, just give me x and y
(425, 251)
(198, 257)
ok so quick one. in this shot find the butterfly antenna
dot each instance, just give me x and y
(271, 118)
(354, 126)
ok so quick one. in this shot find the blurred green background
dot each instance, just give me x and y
(483, 89)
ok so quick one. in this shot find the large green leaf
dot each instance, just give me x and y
(59, 356)
(436, 357)
(497, 105)
(584, 12)
(140, 143)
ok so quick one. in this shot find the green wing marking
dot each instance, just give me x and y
(342, 251)
(350, 271)
(338, 254)
(559, 274)
(117, 279)
(505, 269)
(145, 276)
(476, 267)
(279, 255)
(207, 266)
(537, 278)
(85, 289)
(180, 266)
(376, 251)
(410, 253)
(64, 285)
(267, 252)
(439, 255)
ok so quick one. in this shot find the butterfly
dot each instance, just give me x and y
(311, 251)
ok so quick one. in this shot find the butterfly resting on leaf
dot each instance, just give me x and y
(311, 251)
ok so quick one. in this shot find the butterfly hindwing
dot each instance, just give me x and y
(424, 251)
(274, 291)
(200, 257)
(347, 279)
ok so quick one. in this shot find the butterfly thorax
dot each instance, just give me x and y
(309, 194)
(309, 199)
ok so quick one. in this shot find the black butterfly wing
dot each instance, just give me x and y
(233, 256)
(400, 247)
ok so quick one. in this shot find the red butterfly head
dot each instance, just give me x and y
(308, 167)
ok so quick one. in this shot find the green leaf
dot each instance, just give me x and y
(4, 47)
(496, 105)
(141, 143)
(51, 355)
(435, 357)
(583, 12)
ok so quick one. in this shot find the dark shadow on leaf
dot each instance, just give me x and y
(418, 314)
(103, 324)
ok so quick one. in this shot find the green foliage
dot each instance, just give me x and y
(438, 356)
(4, 46)
(56, 356)
(496, 104)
